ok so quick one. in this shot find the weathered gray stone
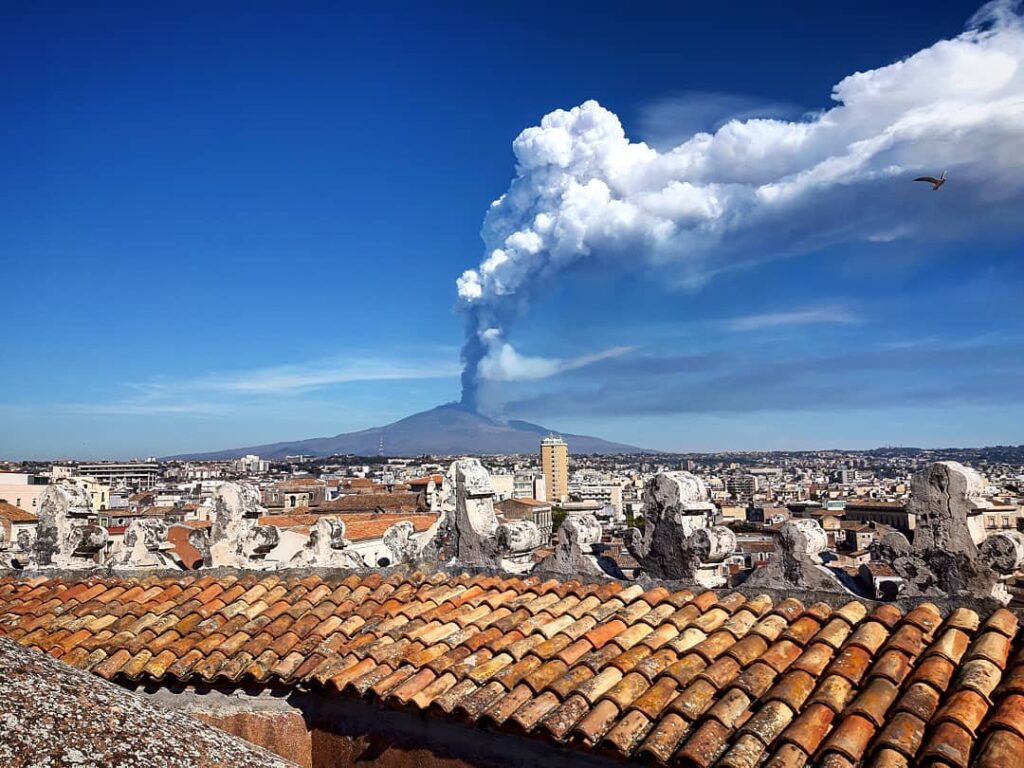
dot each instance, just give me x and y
(575, 553)
(400, 540)
(145, 545)
(65, 536)
(237, 540)
(944, 558)
(943, 496)
(1004, 551)
(676, 506)
(797, 562)
(328, 548)
(468, 531)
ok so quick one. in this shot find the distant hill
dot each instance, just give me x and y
(445, 430)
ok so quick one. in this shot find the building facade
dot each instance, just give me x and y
(554, 463)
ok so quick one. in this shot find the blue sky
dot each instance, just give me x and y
(237, 224)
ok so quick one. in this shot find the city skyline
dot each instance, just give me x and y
(248, 229)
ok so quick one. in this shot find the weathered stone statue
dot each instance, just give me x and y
(945, 558)
(575, 553)
(400, 540)
(237, 540)
(797, 563)
(65, 537)
(468, 531)
(680, 539)
(145, 545)
(328, 548)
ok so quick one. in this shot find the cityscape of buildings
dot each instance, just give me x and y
(855, 496)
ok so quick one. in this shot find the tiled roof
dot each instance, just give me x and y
(13, 514)
(659, 675)
(358, 527)
(435, 479)
(367, 502)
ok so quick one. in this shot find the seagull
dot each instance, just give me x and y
(936, 183)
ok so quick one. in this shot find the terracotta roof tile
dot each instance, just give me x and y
(701, 680)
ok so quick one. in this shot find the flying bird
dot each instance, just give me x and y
(936, 183)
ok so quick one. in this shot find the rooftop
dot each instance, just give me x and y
(54, 714)
(657, 673)
(13, 514)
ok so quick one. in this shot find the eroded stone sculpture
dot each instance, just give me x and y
(797, 562)
(400, 540)
(680, 539)
(145, 545)
(237, 540)
(65, 537)
(944, 558)
(327, 547)
(468, 531)
(575, 552)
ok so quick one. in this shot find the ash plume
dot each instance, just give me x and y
(756, 189)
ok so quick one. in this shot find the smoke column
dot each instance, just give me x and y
(756, 189)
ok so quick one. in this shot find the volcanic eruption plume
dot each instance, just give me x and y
(754, 189)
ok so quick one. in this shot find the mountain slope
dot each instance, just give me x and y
(445, 430)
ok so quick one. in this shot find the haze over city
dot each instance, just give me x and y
(228, 229)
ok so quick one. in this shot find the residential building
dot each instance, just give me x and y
(891, 513)
(251, 464)
(591, 486)
(295, 492)
(137, 475)
(529, 485)
(534, 510)
(1001, 517)
(554, 462)
(741, 486)
(22, 489)
(504, 486)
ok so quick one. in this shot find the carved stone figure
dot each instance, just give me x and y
(400, 540)
(237, 540)
(468, 531)
(797, 562)
(676, 507)
(944, 558)
(575, 553)
(65, 538)
(328, 548)
(145, 545)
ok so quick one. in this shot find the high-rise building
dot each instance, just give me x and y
(554, 463)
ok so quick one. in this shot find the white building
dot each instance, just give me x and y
(251, 464)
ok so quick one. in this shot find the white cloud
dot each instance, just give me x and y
(287, 379)
(216, 392)
(503, 363)
(809, 316)
(761, 188)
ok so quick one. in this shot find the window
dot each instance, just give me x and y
(990, 522)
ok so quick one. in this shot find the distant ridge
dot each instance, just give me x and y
(445, 430)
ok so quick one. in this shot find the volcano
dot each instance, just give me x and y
(443, 431)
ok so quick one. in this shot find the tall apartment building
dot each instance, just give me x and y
(554, 463)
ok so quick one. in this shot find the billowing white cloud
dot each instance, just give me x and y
(757, 189)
